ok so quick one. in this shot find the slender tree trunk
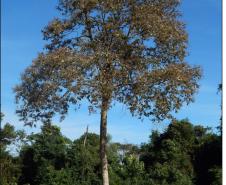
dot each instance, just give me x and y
(86, 133)
(103, 142)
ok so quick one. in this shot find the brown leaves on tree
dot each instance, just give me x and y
(131, 51)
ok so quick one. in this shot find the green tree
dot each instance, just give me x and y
(130, 51)
(183, 154)
(124, 165)
(132, 171)
(83, 160)
(168, 158)
(208, 156)
(9, 165)
(46, 151)
(51, 176)
(208, 160)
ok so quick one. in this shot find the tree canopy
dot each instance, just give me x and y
(129, 51)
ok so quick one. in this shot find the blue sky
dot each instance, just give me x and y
(21, 40)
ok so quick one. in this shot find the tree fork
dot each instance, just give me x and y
(103, 142)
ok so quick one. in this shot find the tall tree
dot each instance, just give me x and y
(130, 51)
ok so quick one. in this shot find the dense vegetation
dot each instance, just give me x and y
(183, 154)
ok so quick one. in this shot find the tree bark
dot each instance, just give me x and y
(103, 142)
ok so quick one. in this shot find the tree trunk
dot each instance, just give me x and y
(103, 143)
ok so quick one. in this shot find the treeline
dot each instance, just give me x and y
(183, 154)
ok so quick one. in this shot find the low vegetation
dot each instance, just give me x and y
(183, 154)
